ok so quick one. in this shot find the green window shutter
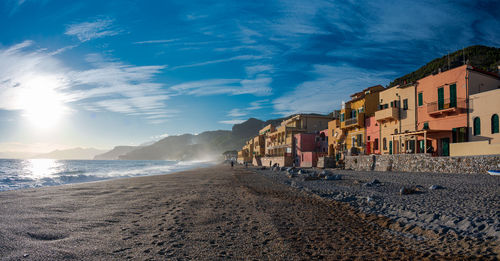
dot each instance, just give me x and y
(477, 126)
(392, 104)
(453, 95)
(342, 117)
(405, 104)
(494, 124)
(354, 114)
(426, 125)
(440, 98)
(420, 99)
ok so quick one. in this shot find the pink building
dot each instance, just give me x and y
(443, 108)
(309, 147)
(372, 136)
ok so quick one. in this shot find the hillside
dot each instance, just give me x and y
(206, 145)
(115, 152)
(481, 57)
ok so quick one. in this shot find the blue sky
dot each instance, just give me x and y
(105, 73)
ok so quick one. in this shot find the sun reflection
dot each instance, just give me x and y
(42, 168)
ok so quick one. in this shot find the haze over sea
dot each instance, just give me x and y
(32, 173)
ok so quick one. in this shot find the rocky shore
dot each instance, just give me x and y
(462, 205)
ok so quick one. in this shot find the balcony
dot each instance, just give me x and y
(445, 107)
(387, 114)
(358, 122)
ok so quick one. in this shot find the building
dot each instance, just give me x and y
(443, 109)
(352, 118)
(336, 139)
(280, 142)
(372, 136)
(230, 155)
(396, 116)
(245, 155)
(309, 147)
(258, 149)
(484, 121)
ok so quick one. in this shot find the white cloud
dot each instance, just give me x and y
(257, 105)
(91, 30)
(332, 84)
(258, 87)
(232, 122)
(234, 58)
(236, 113)
(156, 41)
(256, 69)
(108, 86)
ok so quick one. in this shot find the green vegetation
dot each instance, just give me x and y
(482, 57)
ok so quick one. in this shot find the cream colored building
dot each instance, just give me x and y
(397, 115)
(484, 133)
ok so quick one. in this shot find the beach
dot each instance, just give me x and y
(207, 214)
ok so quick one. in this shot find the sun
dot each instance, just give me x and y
(42, 104)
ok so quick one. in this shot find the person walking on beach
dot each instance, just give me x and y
(232, 163)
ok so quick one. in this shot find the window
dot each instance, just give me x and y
(494, 124)
(341, 117)
(384, 143)
(375, 144)
(453, 95)
(426, 125)
(353, 114)
(420, 99)
(359, 140)
(392, 104)
(386, 106)
(440, 98)
(477, 126)
(405, 104)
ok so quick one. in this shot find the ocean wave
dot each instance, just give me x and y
(18, 174)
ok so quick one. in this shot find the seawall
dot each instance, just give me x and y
(423, 163)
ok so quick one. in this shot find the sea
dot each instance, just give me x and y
(35, 173)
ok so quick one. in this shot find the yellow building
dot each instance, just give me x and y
(245, 155)
(336, 138)
(396, 116)
(279, 143)
(352, 117)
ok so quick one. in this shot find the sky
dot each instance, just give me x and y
(105, 73)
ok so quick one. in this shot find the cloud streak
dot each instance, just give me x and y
(108, 86)
(87, 31)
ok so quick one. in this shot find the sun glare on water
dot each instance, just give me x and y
(42, 104)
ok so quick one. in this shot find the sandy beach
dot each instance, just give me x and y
(205, 214)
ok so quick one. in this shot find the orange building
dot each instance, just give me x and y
(443, 109)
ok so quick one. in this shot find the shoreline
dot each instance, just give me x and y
(205, 214)
(14, 182)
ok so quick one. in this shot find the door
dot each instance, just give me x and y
(421, 146)
(368, 147)
(411, 145)
(445, 147)
(440, 98)
(390, 147)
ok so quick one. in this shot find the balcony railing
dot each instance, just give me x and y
(445, 106)
(387, 114)
(359, 121)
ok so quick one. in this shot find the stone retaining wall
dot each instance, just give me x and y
(423, 163)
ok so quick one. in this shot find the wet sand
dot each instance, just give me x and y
(203, 214)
